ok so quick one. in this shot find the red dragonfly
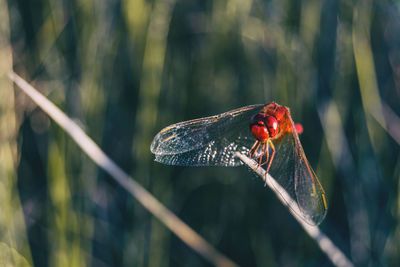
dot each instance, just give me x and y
(272, 140)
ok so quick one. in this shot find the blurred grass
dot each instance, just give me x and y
(125, 69)
(64, 231)
(14, 246)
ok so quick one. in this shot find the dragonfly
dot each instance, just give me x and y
(264, 132)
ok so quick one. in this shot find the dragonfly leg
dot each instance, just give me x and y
(265, 153)
(260, 163)
(254, 149)
(272, 154)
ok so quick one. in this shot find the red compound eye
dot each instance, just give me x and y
(272, 125)
(257, 119)
(259, 132)
(258, 128)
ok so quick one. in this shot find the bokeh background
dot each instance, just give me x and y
(124, 69)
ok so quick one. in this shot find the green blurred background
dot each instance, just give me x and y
(124, 69)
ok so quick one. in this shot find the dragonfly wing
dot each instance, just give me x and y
(209, 141)
(293, 172)
(309, 192)
(210, 155)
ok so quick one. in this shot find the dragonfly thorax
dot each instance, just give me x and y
(263, 126)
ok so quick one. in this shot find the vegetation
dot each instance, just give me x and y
(125, 69)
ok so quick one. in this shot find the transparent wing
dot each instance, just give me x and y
(209, 141)
(292, 171)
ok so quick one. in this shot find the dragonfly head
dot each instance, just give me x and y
(263, 127)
